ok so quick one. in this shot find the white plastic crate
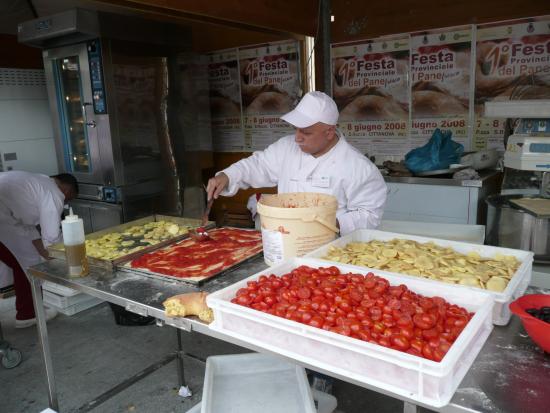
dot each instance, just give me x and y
(77, 308)
(515, 288)
(252, 383)
(413, 377)
(59, 289)
(52, 300)
(61, 301)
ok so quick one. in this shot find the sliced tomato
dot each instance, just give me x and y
(417, 344)
(356, 295)
(428, 351)
(424, 321)
(407, 332)
(430, 333)
(375, 313)
(244, 299)
(400, 342)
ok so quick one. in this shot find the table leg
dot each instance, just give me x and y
(409, 407)
(44, 343)
(179, 360)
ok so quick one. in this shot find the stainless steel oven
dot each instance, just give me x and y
(114, 95)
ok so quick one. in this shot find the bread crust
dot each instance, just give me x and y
(183, 305)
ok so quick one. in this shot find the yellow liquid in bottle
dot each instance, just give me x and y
(76, 260)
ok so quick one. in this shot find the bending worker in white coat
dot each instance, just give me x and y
(27, 201)
(316, 158)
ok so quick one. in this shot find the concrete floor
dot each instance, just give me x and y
(91, 354)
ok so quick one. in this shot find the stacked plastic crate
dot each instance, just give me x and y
(66, 300)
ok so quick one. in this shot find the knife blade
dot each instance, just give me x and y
(207, 212)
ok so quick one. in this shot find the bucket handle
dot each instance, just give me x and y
(321, 221)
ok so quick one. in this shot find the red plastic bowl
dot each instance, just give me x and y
(538, 330)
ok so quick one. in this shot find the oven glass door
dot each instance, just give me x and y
(73, 114)
(76, 125)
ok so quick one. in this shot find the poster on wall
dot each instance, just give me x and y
(270, 87)
(440, 84)
(512, 63)
(370, 88)
(139, 105)
(225, 101)
(193, 112)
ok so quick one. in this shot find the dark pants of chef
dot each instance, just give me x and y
(23, 295)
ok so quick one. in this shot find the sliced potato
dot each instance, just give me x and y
(429, 261)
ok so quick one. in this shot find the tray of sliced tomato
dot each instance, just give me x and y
(373, 328)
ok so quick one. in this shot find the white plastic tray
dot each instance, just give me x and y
(325, 403)
(255, 383)
(515, 288)
(403, 374)
(474, 234)
(196, 408)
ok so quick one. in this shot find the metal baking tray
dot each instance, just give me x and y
(58, 250)
(535, 206)
(124, 266)
(441, 171)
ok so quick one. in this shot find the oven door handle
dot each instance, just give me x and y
(92, 123)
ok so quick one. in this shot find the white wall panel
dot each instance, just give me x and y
(22, 83)
(26, 134)
(25, 119)
(33, 155)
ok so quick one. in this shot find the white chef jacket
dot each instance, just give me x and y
(28, 200)
(343, 172)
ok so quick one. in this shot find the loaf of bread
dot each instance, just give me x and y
(189, 304)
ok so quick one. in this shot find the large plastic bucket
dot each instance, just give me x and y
(296, 223)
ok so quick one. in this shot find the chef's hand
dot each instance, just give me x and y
(216, 185)
(41, 249)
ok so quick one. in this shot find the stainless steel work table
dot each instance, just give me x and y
(511, 374)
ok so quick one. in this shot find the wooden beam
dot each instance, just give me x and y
(356, 20)
(290, 16)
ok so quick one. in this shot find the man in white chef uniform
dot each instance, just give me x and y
(316, 158)
(29, 200)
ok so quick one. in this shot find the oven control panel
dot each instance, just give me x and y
(96, 75)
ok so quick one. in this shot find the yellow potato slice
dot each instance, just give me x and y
(173, 229)
(389, 253)
(424, 262)
(472, 282)
(497, 284)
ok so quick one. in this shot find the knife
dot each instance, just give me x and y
(207, 211)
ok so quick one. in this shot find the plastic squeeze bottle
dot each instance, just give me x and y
(75, 246)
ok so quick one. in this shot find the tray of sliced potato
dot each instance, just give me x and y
(110, 246)
(504, 273)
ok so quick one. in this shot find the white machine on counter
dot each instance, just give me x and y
(528, 149)
(520, 216)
